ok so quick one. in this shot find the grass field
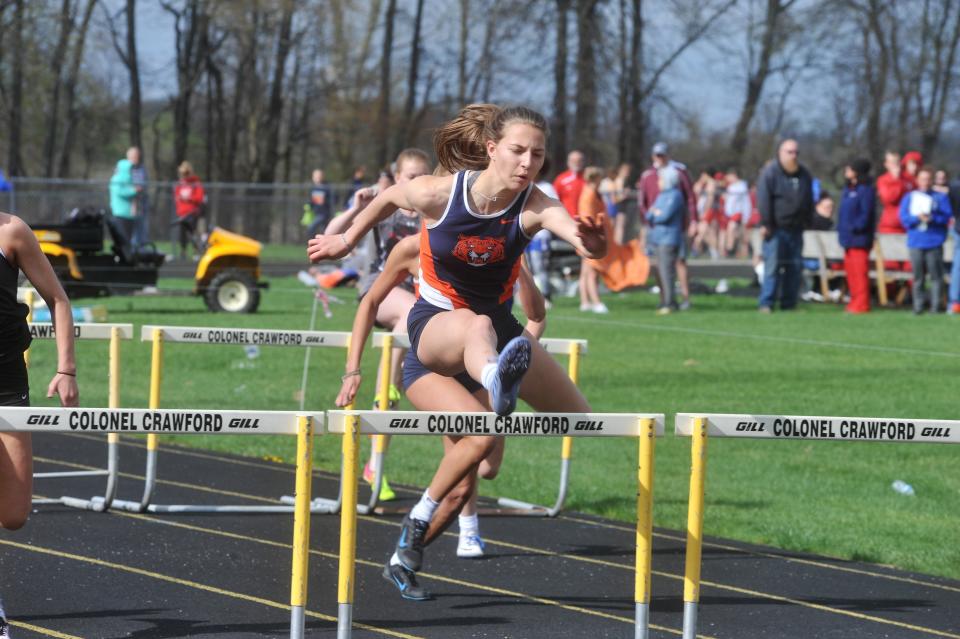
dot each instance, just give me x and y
(832, 498)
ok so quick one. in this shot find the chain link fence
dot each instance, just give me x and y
(269, 213)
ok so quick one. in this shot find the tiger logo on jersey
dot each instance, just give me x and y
(479, 251)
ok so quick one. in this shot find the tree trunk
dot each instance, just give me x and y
(636, 124)
(585, 127)
(133, 66)
(405, 135)
(56, 67)
(14, 159)
(271, 155)
(464, 53)
(245, 69)
(190, 25)
(70, 91)
(383, 111)
(559, 125)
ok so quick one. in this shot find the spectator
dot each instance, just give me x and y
(954, 198)
(855, 228)
(321, 203)
(5, 186)
(912, 161)
(823, 213)
(538, 251)
(624, 202)
(569, 184)
(123, 198)
(667, 217)
(941, 182)
(590, 205)
(647, 191)
(737, 208)
(138, 172)
(707, 192)
(925, 214)
(189, 198)
(785, 200)
(891, 187)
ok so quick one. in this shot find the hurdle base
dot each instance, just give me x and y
(297, 622)
(689, 620)
(517, 507)
(344, 620)
(319, 505)
(96, 504)
(45, 502)
(641, 620)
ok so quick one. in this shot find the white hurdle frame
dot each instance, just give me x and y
(351, 424)
(700, 426)
(210, 335)
(573, 348)
(201, 422)
(114, 333)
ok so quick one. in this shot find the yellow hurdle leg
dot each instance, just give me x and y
(648, 439)
(691, 579)
(301, 528)
(348, 527)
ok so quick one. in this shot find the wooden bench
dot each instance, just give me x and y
(824, 247)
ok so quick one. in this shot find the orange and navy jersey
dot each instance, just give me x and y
(468, 260)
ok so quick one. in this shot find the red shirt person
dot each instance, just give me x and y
(891, 187)
(570, 183)
(188, 192)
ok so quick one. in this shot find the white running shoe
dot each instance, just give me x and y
(600, 308)
(470, 547)
(586, 307)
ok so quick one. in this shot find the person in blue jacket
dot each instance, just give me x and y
(925, 214)
(123, 198)
(666, 218)
(855, 228)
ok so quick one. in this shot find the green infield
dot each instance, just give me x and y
(833, 498)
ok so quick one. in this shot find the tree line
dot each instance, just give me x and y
(264, 90)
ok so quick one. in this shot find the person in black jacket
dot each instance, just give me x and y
(858, 218)
(785, 200)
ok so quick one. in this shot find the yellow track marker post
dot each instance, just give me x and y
(348, 525)
(156, 374)
(648, 439)
(301, 527)
(691, 578)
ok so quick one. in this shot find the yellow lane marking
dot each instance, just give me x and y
(192, 584)
(630, 567)
(378, 567)
(43, 631)
(770, 555)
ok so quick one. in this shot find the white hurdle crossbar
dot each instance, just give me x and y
(114, 333)
(200, 422)
(701, 426)
(158, 335)
(573, 348)
(644, 426)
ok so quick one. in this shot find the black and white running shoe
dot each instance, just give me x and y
(410, 544)
(406, 581)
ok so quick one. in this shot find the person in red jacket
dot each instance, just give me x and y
(570, 183)
(189, 199)
(891, 187)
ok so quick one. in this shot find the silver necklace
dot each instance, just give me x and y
(472, 183)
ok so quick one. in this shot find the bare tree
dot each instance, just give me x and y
(128, 55)
(939, 37)
(773, 34)
(559, 124)
(15, 120)
(383, 108)
(405, 132)
(70, 90)
(66, 24)
(275, 108)
(585, 120)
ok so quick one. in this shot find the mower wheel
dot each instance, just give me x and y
(232, 291)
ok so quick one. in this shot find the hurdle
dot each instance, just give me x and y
(351, 424)
(701, 426)
(573, 348)
(141, 421)
(157, 336)
(114, 333)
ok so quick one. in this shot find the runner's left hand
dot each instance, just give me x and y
(593, 236)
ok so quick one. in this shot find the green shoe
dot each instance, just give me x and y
(386, 493)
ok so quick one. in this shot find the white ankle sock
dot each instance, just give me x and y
(425, 508)
(469, 525)
(394, 560)
(488, 374)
